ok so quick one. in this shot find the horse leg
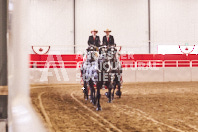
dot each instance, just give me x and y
(92, 90)
(114, 87)
(85, 91)
(99, 85)
(109, 90)
(119, 91)
(94, 95)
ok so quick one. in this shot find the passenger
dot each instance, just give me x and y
(108, 39)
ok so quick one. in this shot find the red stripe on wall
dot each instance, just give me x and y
(133, 60)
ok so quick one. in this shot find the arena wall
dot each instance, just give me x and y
(168, 74)
(136, 68)
(172, 23)
(51, 24)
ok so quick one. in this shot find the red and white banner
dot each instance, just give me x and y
(177, 49)
(135, 60)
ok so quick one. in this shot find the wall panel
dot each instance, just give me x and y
(173, 22)
(52, 24)
(128, 20)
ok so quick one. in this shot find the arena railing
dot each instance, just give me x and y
(54, 64)
(125, 63)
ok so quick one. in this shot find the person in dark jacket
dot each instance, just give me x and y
(94, 39)
(108, 39)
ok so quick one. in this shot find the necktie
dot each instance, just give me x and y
(94, 38)
(108, 39)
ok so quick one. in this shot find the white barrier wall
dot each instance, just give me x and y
(70, 75)
(54, 75)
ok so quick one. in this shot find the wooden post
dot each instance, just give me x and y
(3, 42)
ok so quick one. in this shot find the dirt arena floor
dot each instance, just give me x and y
(143, 107)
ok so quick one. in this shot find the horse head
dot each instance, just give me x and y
(112, 53)
(103, 61)
(92, 54)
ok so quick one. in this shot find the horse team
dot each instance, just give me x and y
(100, 69)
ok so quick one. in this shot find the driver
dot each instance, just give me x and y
(94, 39)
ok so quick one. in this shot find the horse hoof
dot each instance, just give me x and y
(86, 99)
(98, 108)
(91, 101)
(109, 101)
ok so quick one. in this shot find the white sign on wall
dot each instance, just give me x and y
(177, 49)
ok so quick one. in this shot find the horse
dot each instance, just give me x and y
(83, 71)
(89, 73)
(104, 77)
(116, 70)
(97, 69)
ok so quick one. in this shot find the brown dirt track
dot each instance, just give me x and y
(142, 107)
